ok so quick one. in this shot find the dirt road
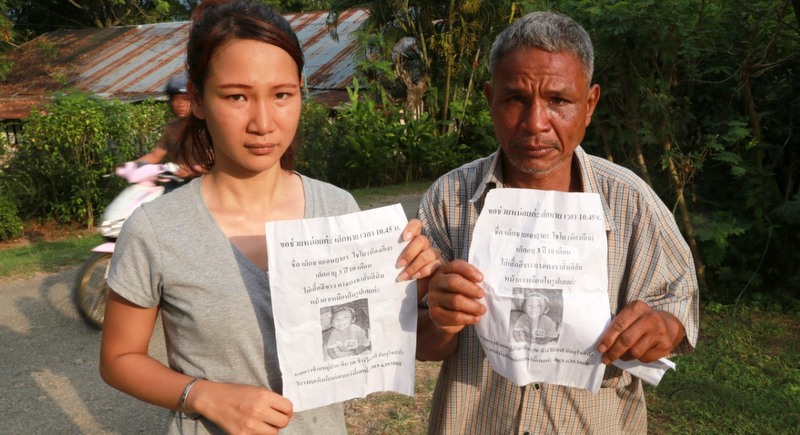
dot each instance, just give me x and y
(49, 380)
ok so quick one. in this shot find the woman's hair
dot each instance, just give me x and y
(214, 24)
(548, 31)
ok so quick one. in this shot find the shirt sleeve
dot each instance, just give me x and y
(433, 215)
(136, 264)
(662, 269)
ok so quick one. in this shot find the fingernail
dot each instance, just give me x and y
(601, 348)
(402, 277)
(406, 236)
(401, 263)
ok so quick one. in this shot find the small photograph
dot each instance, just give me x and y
(536, 316)
(345, 329)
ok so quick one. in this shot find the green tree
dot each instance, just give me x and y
(435, 47)
(34, 17)
(7, 38)
(298, 5)
(698, 99)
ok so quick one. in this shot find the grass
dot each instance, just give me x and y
(391, 413)
(46, 256)
(743, 378)
(370, 197)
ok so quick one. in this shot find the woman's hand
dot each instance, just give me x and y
(418, 259)
(240, 409)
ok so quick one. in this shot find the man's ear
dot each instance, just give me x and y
(592, 98)
(488, 88)
(197, 101)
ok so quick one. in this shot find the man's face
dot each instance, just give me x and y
(540, 105)
(180, 104)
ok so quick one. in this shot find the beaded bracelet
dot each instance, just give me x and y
(184, 395)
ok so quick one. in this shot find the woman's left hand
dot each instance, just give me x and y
(418, 259)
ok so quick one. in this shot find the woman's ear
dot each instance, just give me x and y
(197, 101)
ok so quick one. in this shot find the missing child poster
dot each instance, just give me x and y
(543, 255)
(344, 327)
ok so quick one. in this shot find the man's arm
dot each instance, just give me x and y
(154, 157)
(660, 317)
(452, 303)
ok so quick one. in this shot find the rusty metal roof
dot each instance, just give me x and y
(134, 62)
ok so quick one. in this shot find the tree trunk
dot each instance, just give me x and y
(633, 103)
(470, 86)
(415, 92)
(752, 114)
(638, 158)
(685, 216)
(606, 143)
(450, 61)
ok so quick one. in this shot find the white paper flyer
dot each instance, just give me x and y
(543, 255)
(344, 327)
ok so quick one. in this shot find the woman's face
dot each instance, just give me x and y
(251, 104)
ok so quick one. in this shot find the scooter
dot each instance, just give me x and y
(147, 183)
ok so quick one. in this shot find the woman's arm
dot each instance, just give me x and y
(124, 361)
(126, 366)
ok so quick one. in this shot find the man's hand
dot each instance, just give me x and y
(640, 332)
(453, 294)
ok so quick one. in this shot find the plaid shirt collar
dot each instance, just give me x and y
(494, 178)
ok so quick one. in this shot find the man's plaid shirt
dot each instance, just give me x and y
(648, 259)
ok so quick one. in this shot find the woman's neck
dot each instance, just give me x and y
(258, 194)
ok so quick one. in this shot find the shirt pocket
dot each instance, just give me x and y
(615, 377)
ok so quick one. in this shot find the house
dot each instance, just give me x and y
(132, 63)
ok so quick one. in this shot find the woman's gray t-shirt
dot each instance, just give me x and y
(215, 303)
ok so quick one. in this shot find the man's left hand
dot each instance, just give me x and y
(640, 332)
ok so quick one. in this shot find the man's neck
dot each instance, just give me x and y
(567, 179)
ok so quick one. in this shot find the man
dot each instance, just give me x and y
(180, 105)
(541, 100)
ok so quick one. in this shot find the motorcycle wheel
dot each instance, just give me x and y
(91, 289)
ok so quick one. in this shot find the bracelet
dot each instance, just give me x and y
(184, 395)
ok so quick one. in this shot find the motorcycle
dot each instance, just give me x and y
(146, 184)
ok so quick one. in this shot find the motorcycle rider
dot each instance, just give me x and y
(167, 146)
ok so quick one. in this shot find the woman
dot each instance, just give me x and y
(199, 254)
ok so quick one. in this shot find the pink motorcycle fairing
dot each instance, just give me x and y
(107, 247)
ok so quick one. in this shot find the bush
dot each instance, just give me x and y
(313, 158)
(369, 141)
(10, 223)
(58, 170)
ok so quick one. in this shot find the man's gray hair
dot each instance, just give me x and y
(549, 31)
